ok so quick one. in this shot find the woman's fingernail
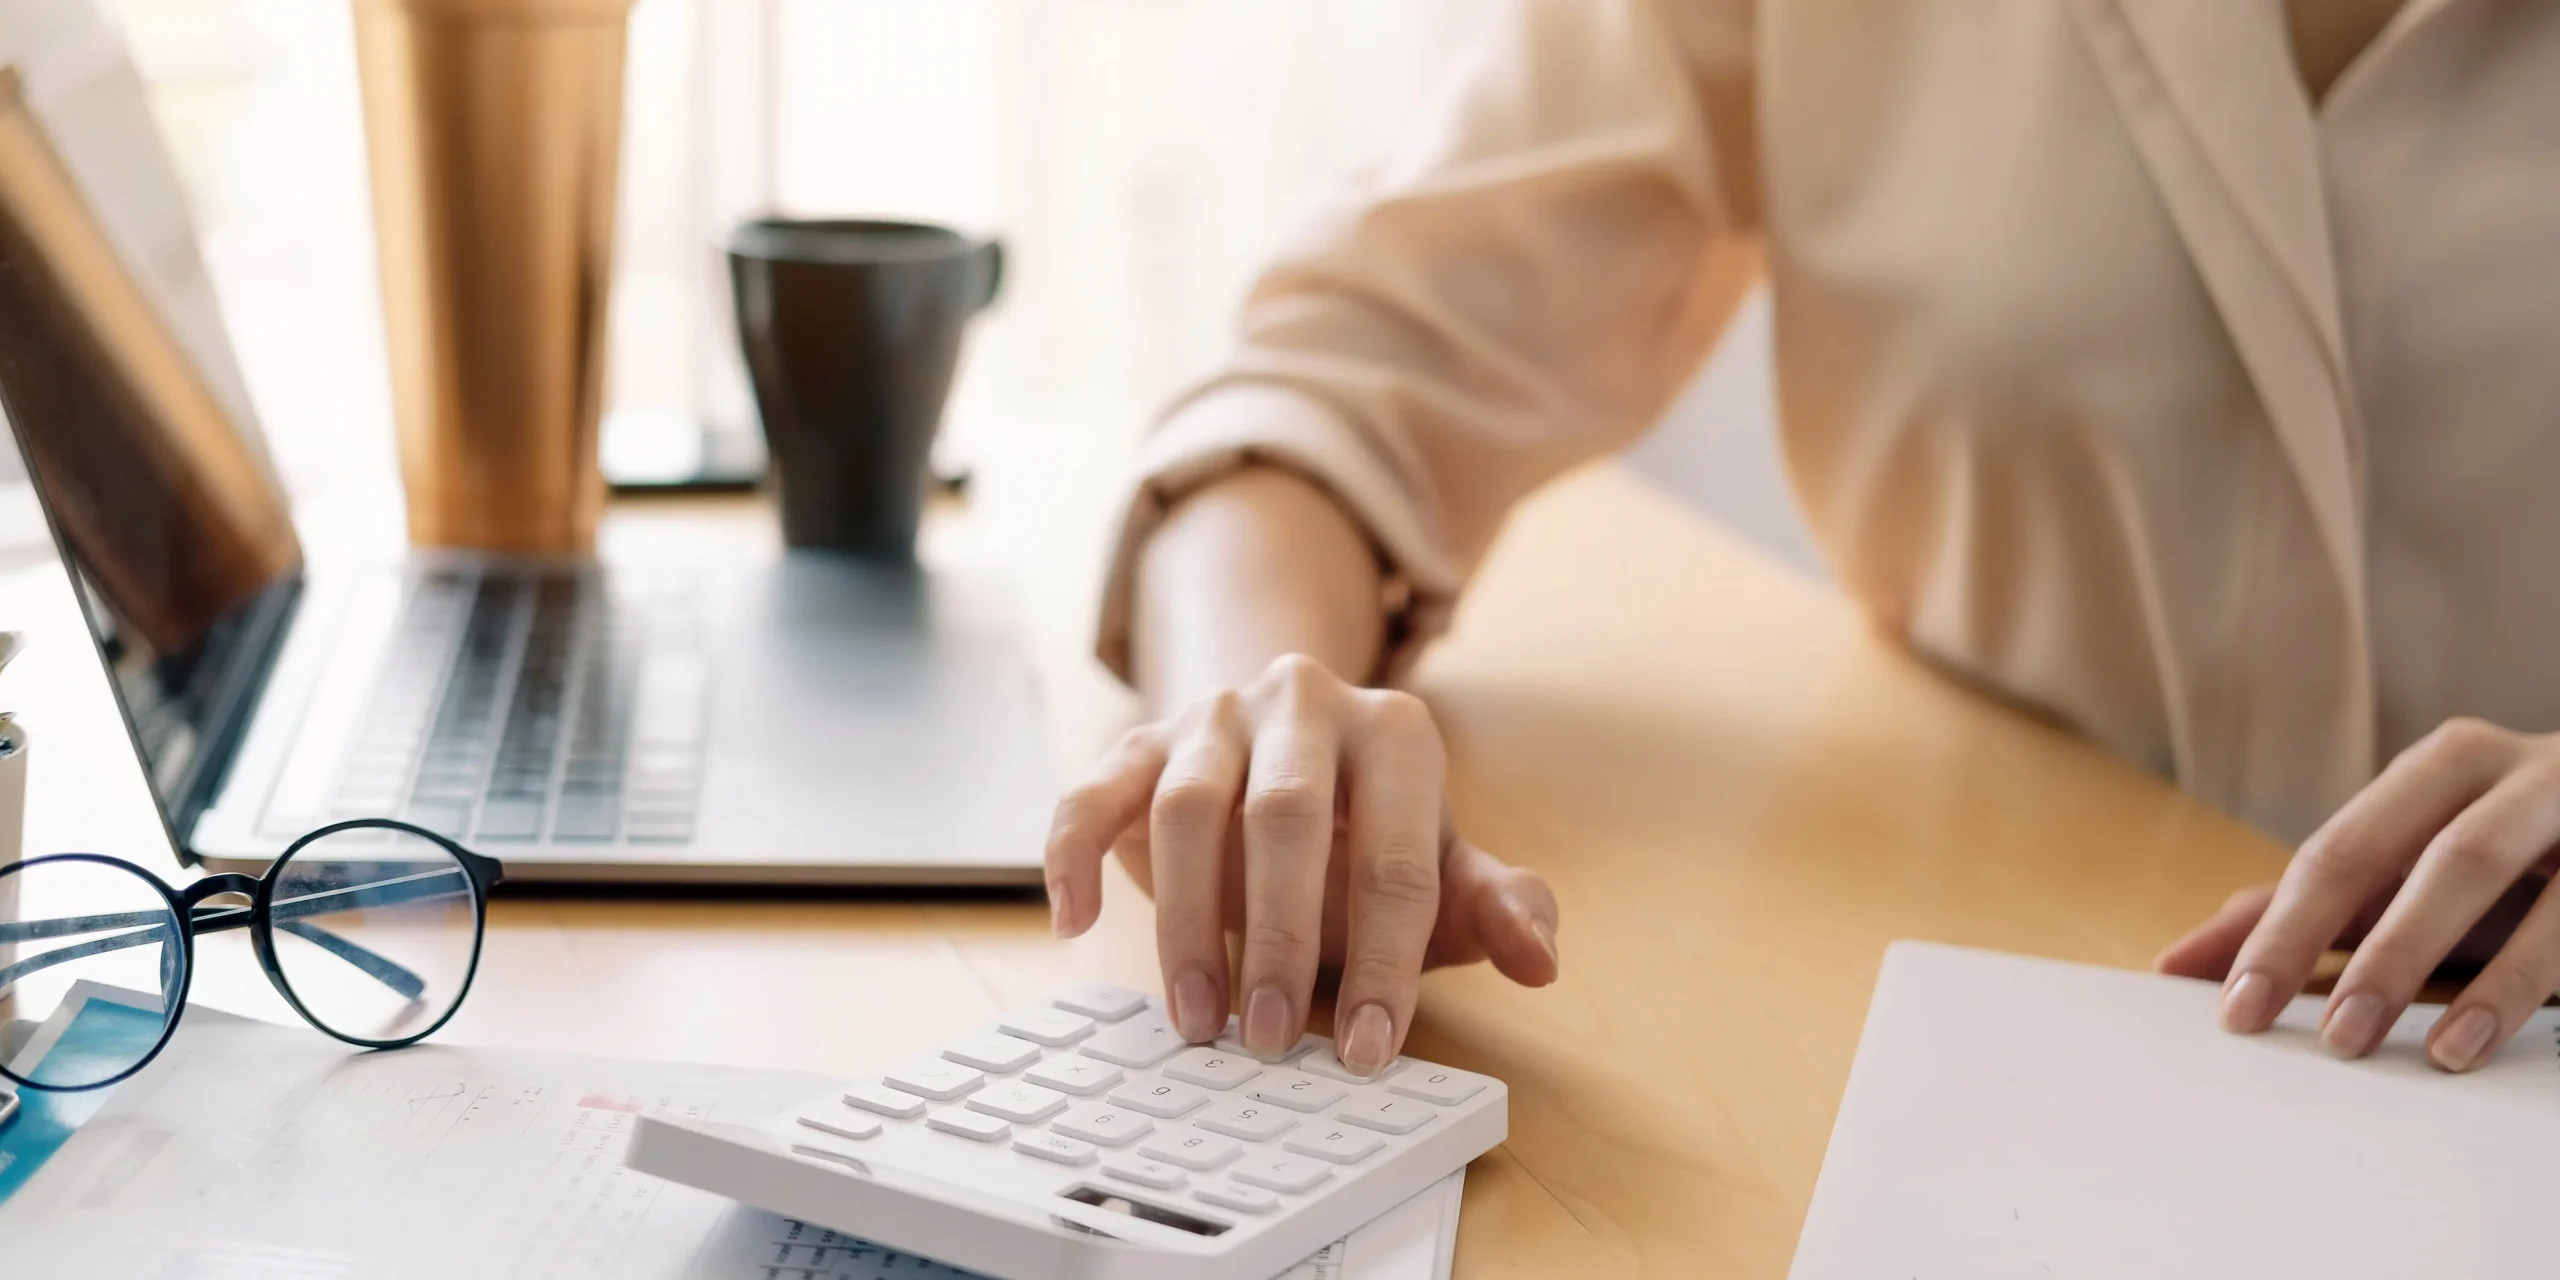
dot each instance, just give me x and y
(1266, 1020)
(2464, 1040)
(1059, 902)
(1197, 1012)
(1546, 935)
(1365, 1047)
(2248, 1003)
(2353, 1026)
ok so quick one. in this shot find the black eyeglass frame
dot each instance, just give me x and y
(483, 873)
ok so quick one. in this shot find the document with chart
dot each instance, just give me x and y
(254, 1150)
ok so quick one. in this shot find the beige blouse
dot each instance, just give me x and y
(2113, 373)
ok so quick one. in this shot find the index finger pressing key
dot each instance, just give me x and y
(1396, 773)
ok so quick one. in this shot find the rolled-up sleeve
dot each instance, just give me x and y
(1521, 287)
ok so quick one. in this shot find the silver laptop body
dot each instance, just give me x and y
(812, 720)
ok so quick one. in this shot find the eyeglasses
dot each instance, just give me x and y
(371, 929)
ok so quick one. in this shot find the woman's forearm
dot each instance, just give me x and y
(1253, 566)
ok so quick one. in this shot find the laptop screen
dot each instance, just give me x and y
(176, 529)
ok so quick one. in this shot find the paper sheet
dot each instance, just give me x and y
(2018, 1119)
(260, 1151)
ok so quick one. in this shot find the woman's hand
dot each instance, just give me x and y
(2446, 856)
(1308, 815)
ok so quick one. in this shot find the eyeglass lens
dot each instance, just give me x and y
(92, 968)
(375, 931)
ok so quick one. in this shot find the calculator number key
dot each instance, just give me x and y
(1288, 1175)
(1328, 1063)
(1190, 1148)
(1438, 1086)
(1385, 1113)
(1232, 1041)
(1340, 1144)
(1103, 1126)
(1251, 1121)
(1163, 1099)
(1296, 1090)
(1212, 1068)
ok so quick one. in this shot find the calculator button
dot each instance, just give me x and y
(1240, 1199)
(1296, 1090)
(1339, 1144)
(1100, 1000)
(1190, 1148)
(1437, 1085)
(1246, 1119)
(1106, 1126)
(1385, 1113)
(969, 1124)
(993, 1053)
(1158, 1097)
(1327, 1063)
(1055, 1028)
(1137, 1044)
(884, 1100)
(1083, 1077)
(1232, 1040)
(1287, 1174)
(1146, 1173)
(1018, 1102)
(940, 1081)
(1212, 1068)
(842, 1122)
(1056, 1147)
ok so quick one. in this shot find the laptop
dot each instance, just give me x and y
(803, 719)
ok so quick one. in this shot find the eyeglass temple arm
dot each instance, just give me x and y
(9, 976)
(153, 927)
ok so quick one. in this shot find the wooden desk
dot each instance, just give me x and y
(1741, 795)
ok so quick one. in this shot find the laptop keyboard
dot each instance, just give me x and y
(556, 706)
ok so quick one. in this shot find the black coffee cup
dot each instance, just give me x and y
(851, 330)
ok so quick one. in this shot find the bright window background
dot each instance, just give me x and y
(1138, 156)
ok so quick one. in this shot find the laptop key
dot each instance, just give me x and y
(443, 819)
(509, 819)
(585, 816)
(658, 828)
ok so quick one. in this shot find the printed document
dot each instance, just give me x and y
(251, 1150)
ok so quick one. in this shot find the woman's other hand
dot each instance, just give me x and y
(1307, 815)
(2446, 856)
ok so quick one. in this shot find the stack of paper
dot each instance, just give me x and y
(250, 1150)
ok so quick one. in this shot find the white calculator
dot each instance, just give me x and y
(1082, 1139)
